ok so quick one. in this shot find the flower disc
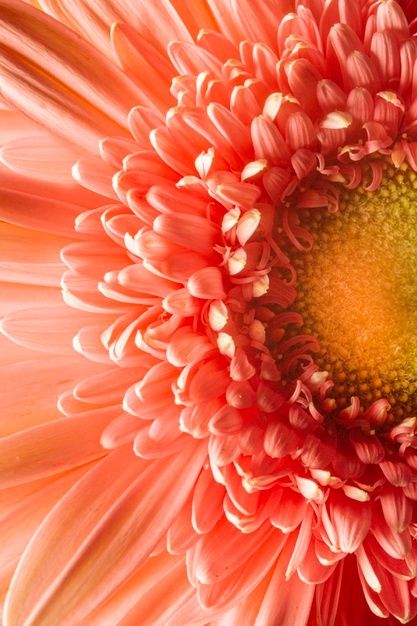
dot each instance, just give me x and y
(357, 291)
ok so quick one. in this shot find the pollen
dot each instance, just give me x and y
(357, 291)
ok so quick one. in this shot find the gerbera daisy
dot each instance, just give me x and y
(209, 250)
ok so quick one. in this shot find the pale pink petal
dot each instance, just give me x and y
(124, 495)
(52, 447)
(164, 576)
(75, 63)
(42, 382)
(295, 597)
(29, 258)
(38, 213)
(42, 156)
(49, 329)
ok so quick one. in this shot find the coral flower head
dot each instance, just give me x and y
(209, 251)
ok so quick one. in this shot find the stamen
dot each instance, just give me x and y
(357, 291)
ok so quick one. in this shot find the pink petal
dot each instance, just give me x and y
(38, 212)
(295, 597)
(187, 346)
(288, 517)
(207, 284)
(23, 509)
(138, 278)
(187, 58)
(207, 505)
(239, 583)
(52, 447)
(41, 156)
(29, 258)
(221, 552)
(50, 329)
(60, 103)
(120, 431)
(231, 129)
(134, 602)
(138, 58)
(267, 141)
(397, 509)
(43, 381)
(141, 122)
(351, 522)
(191, 231)
(125, 498)
(227, 420)
(396, 545)
(96, 175)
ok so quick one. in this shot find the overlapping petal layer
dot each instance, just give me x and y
(193, 153)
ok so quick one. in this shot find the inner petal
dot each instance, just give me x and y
(357, 291)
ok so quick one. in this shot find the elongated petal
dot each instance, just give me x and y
(124, 499)
(49, 329)
(50, 73)
(30, 388)
(43, 156)
(52, 447)
(38, 213)
(29, 258)
(286, 602)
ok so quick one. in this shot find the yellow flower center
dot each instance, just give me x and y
(357, 291)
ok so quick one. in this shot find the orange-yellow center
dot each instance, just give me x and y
(357, 291)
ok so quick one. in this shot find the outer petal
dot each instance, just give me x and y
(93, 18)
(30, 389)
(27, 257)
(130, 505)
(22, 510)
(52, 447)
(38, 213)
(161, 577)
(55, 77)
(286, 602)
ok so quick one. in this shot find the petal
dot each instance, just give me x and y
(191, 231)
(51, 74)
(222, 551)
(49, 329)
(95, 17)
(38, 213)
(351, 521)
(41, 156)
(52, 447)
(162, 576)
(207, 284)
(238, 584)
(397, 509)
(30, 389)
(207, 506)
(131, 504)
(23, 509)
(29, 258)
(295, 597)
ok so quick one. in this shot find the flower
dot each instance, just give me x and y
(225, 193)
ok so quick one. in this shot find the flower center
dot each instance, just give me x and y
(357, 291)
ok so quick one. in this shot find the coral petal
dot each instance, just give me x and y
(113, 492)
